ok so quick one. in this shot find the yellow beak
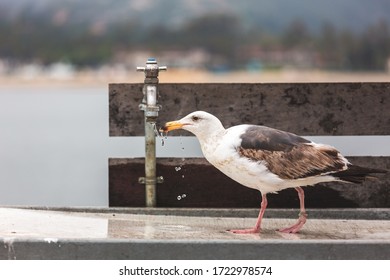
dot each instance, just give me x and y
(171, 126)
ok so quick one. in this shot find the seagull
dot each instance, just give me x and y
(268, 160)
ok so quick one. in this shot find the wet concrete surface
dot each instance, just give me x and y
(56, 227)
(24, 223)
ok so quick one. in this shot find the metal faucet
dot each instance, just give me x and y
(151, 108)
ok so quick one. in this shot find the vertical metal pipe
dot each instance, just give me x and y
(150, 107)
(150, 164)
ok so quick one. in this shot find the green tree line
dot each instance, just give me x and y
(31, 39)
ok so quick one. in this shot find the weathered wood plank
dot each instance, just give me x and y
(204, 186)
(306, 108)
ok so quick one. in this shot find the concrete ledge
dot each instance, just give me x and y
(162, 249)
(101, 233)
(342, 213)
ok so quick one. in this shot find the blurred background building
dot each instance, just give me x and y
(63, 38)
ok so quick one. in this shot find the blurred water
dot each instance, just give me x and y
(54, 146)
(51, 141)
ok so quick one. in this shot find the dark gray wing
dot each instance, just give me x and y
(270, 139)
(288, 155)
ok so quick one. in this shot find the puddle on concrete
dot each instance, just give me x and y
(207, 228)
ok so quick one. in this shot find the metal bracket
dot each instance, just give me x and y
(144, 107)
(158, 180)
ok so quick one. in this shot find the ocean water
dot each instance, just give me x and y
(54, 146)
(51, 141)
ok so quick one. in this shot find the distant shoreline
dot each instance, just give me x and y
(84, 78)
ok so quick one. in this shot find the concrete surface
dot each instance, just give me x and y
(302, 108)
(48, 234)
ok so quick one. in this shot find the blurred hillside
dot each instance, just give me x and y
(272, 15)
(217, 35)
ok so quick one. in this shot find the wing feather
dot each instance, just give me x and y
(289, 156)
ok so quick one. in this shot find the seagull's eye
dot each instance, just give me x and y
(195, 118)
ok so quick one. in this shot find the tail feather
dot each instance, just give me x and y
(357, 174)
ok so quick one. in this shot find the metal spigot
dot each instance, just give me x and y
(151, 70)
(151, 108)
(150, 90)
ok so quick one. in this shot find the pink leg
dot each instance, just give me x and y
(257, 227)
(302, 215)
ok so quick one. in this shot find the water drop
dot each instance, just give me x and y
(181, 144)
(182, 176)
(179, 197)
(177, 168)
(184, 195)
(160, 134)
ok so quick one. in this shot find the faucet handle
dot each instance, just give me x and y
(151, 69)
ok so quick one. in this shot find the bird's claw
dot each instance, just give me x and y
(297, 226)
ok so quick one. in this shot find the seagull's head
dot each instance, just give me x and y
(199, 123)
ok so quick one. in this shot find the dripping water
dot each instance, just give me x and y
(160, 134)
